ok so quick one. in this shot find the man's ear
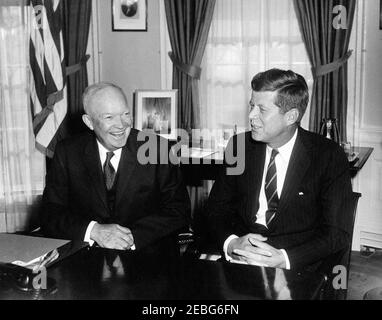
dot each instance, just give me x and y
(292, 116)
(88, 121)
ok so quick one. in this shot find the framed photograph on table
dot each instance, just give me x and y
(129, 15)
(156, 111)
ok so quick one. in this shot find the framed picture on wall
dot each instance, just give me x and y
(155, 111)
(129, 15)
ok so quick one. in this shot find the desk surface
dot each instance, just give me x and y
(95, 273)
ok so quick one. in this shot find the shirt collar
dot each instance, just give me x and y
(285, 151)
(102, 152)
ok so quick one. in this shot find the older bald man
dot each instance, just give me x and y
(98, 191)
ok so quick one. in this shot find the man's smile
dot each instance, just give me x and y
(118, 134)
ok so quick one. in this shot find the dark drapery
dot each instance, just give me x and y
(326, 27)
(77, 15)
(188, 24)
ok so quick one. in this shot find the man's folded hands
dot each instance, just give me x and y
(252, 249)
(112, 236)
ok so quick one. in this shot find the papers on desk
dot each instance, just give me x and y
(27, 251)
(197, 152)
(210, 257)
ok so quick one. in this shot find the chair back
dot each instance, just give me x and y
(341, 257)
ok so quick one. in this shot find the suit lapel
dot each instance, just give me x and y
(126, 166)
(256, 159)
(298, 164)
(92, 163)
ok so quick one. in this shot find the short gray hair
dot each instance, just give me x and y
(93, 89)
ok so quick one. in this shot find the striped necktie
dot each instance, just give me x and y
(271, 188)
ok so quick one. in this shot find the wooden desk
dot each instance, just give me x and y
(95, 273)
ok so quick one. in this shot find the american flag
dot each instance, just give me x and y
(47, 64)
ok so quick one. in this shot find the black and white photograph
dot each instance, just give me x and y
(129, 15)
(155, 111)
(190, 157)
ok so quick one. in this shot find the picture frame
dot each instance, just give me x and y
(156, 111)
(129, 15)
(380, 14)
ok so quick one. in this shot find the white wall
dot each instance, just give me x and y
(365, 117)
(130, 59)
(372, 116)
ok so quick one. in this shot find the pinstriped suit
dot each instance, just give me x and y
(312, 220)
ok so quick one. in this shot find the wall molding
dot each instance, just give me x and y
(371, 239)
(357, 69)
(165, 47)
(94, 63)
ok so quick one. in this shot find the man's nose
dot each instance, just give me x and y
(254, 113)
(120, 122)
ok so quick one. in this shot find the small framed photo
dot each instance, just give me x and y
(129, 15)
(156, 111)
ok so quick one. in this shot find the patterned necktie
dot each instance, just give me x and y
(271, 188)
(108, 171)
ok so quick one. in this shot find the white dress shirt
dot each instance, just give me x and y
(282, 162)
(115, 163)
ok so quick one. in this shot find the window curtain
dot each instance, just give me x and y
(188, 24)
(77, 15)
(22, 167)
(247, 37)
(327, 43)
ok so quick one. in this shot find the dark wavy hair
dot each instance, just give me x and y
(292, 90)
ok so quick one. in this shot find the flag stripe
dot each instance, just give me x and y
(48, 95)
(35, 102)
(53, 61)
(38, 43)
(38, 89)
(53, 18)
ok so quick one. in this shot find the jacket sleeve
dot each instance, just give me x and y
(57, 220)
(334, 230)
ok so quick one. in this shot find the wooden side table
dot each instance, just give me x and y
(364, 154)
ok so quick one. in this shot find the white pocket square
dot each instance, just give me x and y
(301, 193)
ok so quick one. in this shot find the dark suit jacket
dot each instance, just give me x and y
(312, 222)
(151, 199)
